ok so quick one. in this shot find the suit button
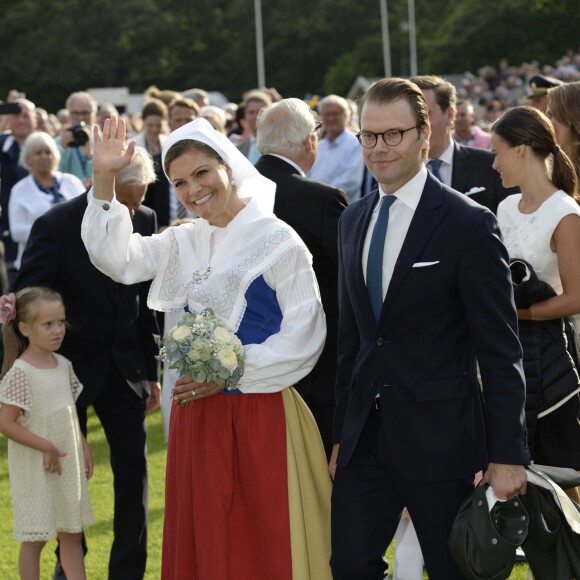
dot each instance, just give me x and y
(380, 341)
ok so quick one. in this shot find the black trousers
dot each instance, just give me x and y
(367, 499)
(122, 414)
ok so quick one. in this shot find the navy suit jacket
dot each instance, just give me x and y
(436, 320)
(472, 168)
(109, 323)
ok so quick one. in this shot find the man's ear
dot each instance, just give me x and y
(451, 114)
(309, 144)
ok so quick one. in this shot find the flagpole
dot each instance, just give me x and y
(259, 44)
(412, 37)
(386, 40)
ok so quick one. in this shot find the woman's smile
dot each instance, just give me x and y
(204, 199)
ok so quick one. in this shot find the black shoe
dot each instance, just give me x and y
(58, 572)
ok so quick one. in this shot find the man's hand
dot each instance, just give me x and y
(506, 481)
(332, 461)
(154, 399)
(111, 154)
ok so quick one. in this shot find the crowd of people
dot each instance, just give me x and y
(401, 341)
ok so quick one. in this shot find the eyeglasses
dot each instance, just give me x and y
(317, 126)
(391, 137)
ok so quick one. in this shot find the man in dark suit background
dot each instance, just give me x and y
(424, 290)
(287, 139)
(465, 169)
(111, 346)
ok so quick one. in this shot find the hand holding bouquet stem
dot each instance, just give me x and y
(208, 355)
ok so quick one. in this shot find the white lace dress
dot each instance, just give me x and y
(46, 503)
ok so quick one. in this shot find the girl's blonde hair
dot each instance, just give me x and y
(15, 343)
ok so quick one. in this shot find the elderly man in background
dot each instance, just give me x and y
(112, 349)
(75, 138)
(21, 125)
(339, 162)
(288, 142)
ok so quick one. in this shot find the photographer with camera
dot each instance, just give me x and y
(21, 121)
(74, 141)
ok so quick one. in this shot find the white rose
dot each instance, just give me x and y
(221, 334)
(228, 359)
(180, 332)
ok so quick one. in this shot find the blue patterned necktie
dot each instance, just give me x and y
(375, 258)
(434, 165)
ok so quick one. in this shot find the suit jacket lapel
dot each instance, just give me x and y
(461, 168)
(427, 216)
(360, 227)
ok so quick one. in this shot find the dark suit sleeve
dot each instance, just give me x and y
(147, 323)
(348, 342)
(41, 259)
(486, 291)
(335, 205)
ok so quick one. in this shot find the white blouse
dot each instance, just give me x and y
(28, 202)
(201, 266)
(527, 236)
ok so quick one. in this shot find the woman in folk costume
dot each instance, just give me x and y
(247, 491)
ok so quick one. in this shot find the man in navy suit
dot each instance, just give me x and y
(112, 348)
(412, 425)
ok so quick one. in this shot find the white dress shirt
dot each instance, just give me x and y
(341, 164)
(446, 169)
(400, 215)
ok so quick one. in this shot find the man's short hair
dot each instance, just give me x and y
(258, 96)
(445, 92)
(335, 100)
(390, 90)
(154, 107)
(140, 170)
(186, 104)
(85, 97)
(283, 127)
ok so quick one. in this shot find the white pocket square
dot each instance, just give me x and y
(474, 190)
(423, 264)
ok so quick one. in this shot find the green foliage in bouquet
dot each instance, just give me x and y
(202, 346)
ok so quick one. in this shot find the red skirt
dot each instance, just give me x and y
(226, 505)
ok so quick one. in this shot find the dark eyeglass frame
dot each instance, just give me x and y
(399, 139)
(317, 126)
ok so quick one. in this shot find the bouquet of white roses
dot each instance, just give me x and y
(202, 346)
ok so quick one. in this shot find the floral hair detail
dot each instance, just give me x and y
(7, 308)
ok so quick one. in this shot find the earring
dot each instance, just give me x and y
(232, 182)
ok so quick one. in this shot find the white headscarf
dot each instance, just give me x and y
(249, 183)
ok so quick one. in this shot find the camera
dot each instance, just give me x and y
(80, 133)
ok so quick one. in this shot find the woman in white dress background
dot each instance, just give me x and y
(541, 225)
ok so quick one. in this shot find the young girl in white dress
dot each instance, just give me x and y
(49, 460)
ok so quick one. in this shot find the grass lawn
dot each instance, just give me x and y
(100, 534)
